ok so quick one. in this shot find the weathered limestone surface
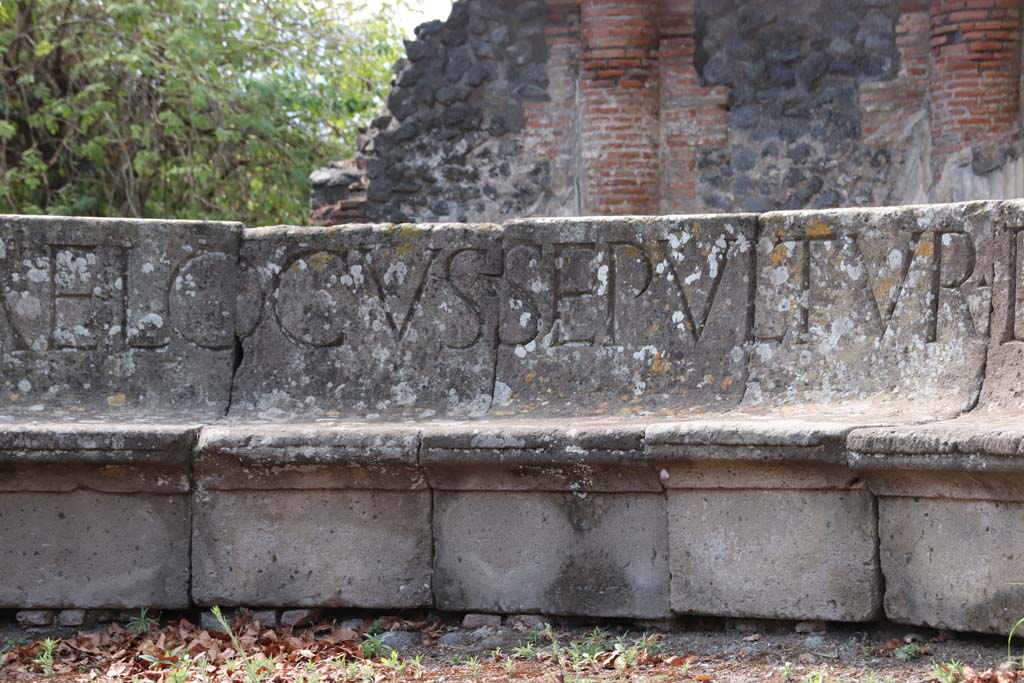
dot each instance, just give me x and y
(602, 318)
(532, 516)
(338, 548)
(625, 315)
(311, 515)
(782, 554)
(367, 321)
(100, 314)
(951, 488)
(606, 417)
(92, 549)
(342, 328)
(590, 554)
(952, 563)
(869, 304)
(116, 345)
(862, 318)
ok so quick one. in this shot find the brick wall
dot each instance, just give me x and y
(975, 74)
(552, 124)
(618, 89)
(693, 116)
(573, 107)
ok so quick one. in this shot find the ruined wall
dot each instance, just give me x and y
(576, 107)
(451, 145)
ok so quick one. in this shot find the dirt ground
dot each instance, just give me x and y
(438, 648)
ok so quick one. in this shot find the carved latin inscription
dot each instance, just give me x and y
(98, 314)
(857, 302)
(623, 314)
(85, 295)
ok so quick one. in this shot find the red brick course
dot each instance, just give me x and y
(975, 74)
(619, 104)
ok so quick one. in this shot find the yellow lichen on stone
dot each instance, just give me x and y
(883, 287)
(319, 260)
(818, 229)
(778, 255)
(117, 400)
(408, 231)
(659, 364)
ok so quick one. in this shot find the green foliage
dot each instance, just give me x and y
(948, 672)
(45, 657)
(372, 647)
(1009, 639)
(908, 652)
(142, 624)
(183, 108)
(257, 669)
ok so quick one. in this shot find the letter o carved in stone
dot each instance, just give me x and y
(308, 298)
(196, 310)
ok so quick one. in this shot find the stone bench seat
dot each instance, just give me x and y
(116, 344)
(951, 489)
(610, 417)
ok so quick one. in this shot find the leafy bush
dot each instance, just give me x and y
(183, 108)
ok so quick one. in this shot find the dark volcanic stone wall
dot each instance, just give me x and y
(450, 146)
(582, 107)
(795, 127)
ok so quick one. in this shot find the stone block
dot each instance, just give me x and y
(311, 515)
(591, 554)
(301, 617)
(400, 641)
(526, 621)
(328, 548)
(890, 306)
(950, 505)
(69, 618)
(478, 620)
(116, 341)
(266, 617)
(603, 316)
(367, 321)
(115, 317)
(952, 564)
(91, 549)
(35, 618)
(774, 554)
(537, 455)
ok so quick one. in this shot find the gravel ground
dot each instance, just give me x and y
(700, 651)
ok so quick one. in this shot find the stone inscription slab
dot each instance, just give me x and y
(624, 315)
(367, 320)
(854, 304)
(99, 315)
(1004, 377)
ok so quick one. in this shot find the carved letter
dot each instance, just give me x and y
(805, 276)
(612, 285)
(693, 324)
(76, 284)
(474, 306)
(514, 295)
(561, 292)
(885, 311)
(293, 310)
(1009, 332)
(399, 328)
